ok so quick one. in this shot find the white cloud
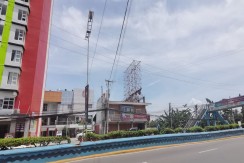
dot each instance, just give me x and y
(203, 40)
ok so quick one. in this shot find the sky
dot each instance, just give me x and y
(189, 50)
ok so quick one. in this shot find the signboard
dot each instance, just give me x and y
(126, 117)
(140, 117)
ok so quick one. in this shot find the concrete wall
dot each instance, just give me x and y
(54, 153)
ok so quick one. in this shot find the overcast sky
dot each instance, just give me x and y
(189, 50)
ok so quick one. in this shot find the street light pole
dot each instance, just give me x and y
(88, 33)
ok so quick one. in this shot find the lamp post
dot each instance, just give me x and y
(87, 37)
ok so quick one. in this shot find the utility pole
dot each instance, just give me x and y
(108, 83)
(170, 115)
(87, 37)
(242, 112)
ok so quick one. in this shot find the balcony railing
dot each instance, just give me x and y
(125, 117)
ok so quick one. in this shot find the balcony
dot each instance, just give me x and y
(23, 2)
(6, 111)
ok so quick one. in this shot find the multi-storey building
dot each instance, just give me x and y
(24, 35)
(120, 115)
(66, 112)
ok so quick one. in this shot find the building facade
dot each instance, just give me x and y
(64, 110)
(120, 115)
(24, 36)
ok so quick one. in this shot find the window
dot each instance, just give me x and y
(8, 103)
(44, 121)
(44, 107)
(69, 106)
(19, 34)
(1, 30)
(52, 120)
(13, 78)
(16, 56)
(25, 0)
(1, 103)
(22, 15)
(3, 9)
(140, 111)
(77, 119)
(127, 109)
(89, 105)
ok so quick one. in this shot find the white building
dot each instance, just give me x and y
(60, 105)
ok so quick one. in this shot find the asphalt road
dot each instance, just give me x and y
(223, 151)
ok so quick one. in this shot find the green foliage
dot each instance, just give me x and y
(168, 131)
(211, 128)
(120, 134)
(151, 132)
(42, 141)
(233, 126)
(178, 118)
(179, 130)
(124, 134)
(195, 129)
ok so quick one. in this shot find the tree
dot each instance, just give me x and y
(179, 118)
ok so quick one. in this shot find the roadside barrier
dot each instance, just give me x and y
(58, 152)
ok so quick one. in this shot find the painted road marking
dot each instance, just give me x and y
(208, 150)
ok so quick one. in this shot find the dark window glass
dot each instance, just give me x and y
(16, 37)
(1, 30)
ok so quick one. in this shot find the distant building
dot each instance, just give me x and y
(24, 36)
(121, 115)
(58, 105)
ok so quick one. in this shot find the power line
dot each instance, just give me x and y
(148, 65)
(117, 50)
(99, 31)
(132, 58)
(153, 73)
(124, 33)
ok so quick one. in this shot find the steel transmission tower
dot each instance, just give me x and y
(132, 82)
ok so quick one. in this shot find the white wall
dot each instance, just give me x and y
(79, 99)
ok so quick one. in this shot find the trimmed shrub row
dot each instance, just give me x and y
(41, 141)
(221, 127)
(120, 134)
(123, 134)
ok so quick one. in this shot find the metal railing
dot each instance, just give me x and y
(197, 116)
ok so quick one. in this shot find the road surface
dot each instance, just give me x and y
(219, 151)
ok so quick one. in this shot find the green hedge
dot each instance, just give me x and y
(120, 134)
(168, 131)
(41, 141)
(125, 134)
(221, 127)
(179, 130)
(195, 129)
